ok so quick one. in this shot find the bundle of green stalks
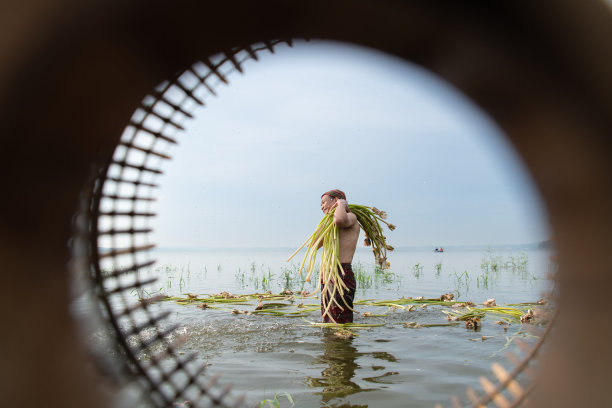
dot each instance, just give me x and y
(369, 219)
(326, 235)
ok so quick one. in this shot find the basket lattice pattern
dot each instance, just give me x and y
(115, 223)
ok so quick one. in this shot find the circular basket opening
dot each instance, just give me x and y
(154, 349)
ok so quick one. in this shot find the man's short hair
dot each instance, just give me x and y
(335, 194)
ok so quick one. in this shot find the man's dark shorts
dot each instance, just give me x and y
(342, 313)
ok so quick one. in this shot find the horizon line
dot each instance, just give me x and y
(530, 245)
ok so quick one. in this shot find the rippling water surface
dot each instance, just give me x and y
(389, 365)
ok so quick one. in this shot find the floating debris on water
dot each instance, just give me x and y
(489, 303)
(344, 334)
(246, 312)
(283, 305)
(344, 325)
(415, 325)
(528, 317)
(472, 323)
(447, 297)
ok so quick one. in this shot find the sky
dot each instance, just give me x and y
(250, 169)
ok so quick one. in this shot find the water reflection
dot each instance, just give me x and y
(337, 379)
(339, 355)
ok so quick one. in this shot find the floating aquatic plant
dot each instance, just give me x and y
(415, 325)
(511, 313)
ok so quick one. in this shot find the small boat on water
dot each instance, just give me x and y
(439, 249)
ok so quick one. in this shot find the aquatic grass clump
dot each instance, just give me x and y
(275, 403)
(369, 276)
(265, 279)
(363, 279)
(438, 268)
(483, 281)
(462, 280)
(326, 236)
(515, 264)
(417, 270)
(491, 263)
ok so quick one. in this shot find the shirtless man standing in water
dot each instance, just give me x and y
(348, 229)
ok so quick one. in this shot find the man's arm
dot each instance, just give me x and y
(342, 218)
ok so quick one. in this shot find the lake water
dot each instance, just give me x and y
(389, 365)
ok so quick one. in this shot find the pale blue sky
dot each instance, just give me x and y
(250, 169)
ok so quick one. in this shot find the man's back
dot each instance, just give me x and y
(348, 237)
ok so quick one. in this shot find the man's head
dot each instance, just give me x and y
(329, 199)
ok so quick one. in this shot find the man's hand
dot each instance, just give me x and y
(341, 203)
(342, 217)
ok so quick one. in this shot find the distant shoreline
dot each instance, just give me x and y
(423, 248)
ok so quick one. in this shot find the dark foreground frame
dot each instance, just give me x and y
(73, 73)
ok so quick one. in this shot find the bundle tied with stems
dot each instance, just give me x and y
(330, 269)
